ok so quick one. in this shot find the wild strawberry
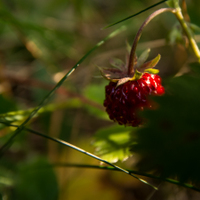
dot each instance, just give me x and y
(123, 102)
(129, 90)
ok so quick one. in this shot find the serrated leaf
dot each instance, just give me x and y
(143, 57)
(170, 142)
(113, 143)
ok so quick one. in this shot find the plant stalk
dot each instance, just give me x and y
(188, 33)
(138, 35)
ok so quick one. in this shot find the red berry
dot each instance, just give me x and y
(123, 102)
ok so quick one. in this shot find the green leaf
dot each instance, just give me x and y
(96, 93)
(6, 105)
(175, 36)
(194, 27)
(113, 143)
(170, 141)
(36, 180)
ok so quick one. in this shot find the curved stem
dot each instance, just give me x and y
(139, 33)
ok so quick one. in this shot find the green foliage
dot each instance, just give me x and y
(170, 142)
(7, 104)
(175, 35)
(113, 143)
(95, 92)
(45, 45)
(36, 180)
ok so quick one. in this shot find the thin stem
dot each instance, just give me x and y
(172, 181)
(139, 33)
(91, 155)
(122, 20)
(82, 151)
(188, 33)
(113, 167)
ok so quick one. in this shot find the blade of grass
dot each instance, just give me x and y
(175, 182)
(122, 20)
(48, 96)
(82, 151)
(113, 167)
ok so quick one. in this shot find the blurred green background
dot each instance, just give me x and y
(39, 42)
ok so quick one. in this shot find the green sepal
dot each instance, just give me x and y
(143, 57)
(150, 64)
(137, 75)
(152, 71)
(117, 63)
(112, 74)
(122, 81)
